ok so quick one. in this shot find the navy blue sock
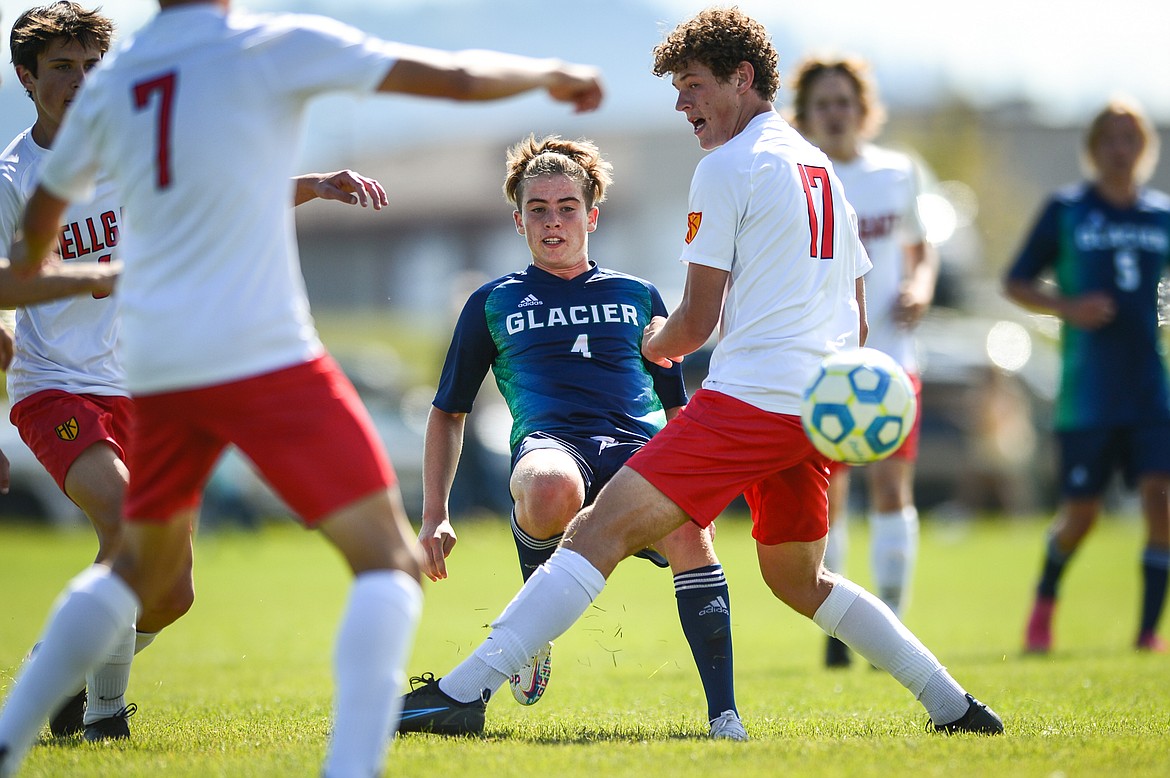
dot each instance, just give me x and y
(1055, 561)
(704, 608)
(533, 552)
(1155, 566)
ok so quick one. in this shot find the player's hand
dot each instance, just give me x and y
(579, 85)
(3, 473)
(909, 308)
(1090, 311)
(649, 350)
(352, 188)
(436, 539)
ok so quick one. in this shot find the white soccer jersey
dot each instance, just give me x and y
(882, 186)
(197, 118)
(766, 207)
(65, 344)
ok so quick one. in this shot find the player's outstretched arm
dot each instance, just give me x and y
(344, 186)
(490, 75)
(442, 448)
(54, 281)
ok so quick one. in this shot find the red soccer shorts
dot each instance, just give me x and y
(303, 427)
(57, 426)
(719, 447)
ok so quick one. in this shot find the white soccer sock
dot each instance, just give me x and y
(373, 645)
(91, 614)
(142, 640)
(869, 627)
(107, 683)
(837, 544)
(553, 598)
(893, 550)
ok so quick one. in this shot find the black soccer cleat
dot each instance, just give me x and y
(837, 653)
(426, 708)
(653, 556)
(114, 727)
(69, 720)
(978, 719)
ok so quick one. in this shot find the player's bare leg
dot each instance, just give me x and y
(1074, 521)
(794, 573)
(893, 523)
(837, 551)
(97, 609)
(548, 490)
(377, 629)
(96, 482)
(628, 515)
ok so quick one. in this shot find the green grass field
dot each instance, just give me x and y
(241, 686)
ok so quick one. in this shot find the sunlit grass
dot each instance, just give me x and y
(241, 686)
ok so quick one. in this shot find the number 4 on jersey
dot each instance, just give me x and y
(581, 346)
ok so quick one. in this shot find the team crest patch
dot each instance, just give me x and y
(693, 222)
(68, 430)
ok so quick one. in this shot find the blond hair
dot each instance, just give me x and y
(859, 74)
(1125, 107)
(579, 160)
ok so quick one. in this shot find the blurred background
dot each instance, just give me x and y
(991, 99)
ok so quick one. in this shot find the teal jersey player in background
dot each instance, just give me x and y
(563, 338)
(1107, 244)
(1115, 373)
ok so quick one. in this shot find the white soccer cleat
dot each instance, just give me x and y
(728, 727)
(529, 684)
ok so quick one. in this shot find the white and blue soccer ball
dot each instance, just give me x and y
(860, 407)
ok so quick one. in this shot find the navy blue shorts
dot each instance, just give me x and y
(598, 458)
(1088, 457)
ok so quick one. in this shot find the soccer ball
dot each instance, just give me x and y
(860, 407)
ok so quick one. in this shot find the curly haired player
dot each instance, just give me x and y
(773, 257)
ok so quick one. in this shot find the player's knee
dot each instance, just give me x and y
(799, 593)
(546, 505)
(167, 611)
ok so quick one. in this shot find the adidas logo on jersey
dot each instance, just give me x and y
(718, 605)
(528, 301)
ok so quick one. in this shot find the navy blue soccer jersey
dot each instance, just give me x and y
(566, 355)
(1115, 375)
